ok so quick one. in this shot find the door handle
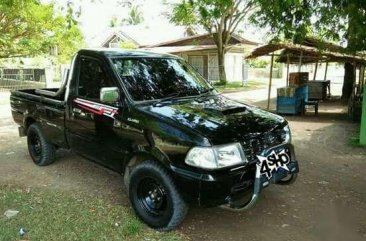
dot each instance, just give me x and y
(78, 112)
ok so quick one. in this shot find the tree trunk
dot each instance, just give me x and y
(349, 68)
(349, 80)
(221, 61)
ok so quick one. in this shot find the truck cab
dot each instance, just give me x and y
(155, 120)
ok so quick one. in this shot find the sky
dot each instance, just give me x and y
(96, 15)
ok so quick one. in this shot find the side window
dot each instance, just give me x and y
(92, 78)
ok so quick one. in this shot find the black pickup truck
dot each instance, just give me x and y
(153, 119)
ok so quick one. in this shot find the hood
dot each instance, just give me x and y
(218, 118)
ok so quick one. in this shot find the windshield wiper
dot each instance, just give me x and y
(208, 90)
(174, 95)
(170, 97)
(204, 94)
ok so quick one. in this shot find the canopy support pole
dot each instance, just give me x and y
(361, 76)
(315, 71)
(300, 61)
(288, 69)
(270, 82)
(326, 71)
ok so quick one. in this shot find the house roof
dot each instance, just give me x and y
(203, 39)
(141, 35)
(187, 48)
(179, 49)
(118, 52)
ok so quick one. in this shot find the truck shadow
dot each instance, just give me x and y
(73, 172)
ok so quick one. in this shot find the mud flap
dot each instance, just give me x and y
(21, 131)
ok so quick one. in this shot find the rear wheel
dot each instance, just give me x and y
(155, 198)
(41, 151)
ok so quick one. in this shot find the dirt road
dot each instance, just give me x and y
(328, 202)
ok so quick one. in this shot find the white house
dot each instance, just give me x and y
(199, 50)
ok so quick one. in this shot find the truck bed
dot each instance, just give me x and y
(28, 106)
(35, 95)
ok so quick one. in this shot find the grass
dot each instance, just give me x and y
(238, 86)
(49, 215)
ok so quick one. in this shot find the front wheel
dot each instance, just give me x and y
(291, 178)
(155, 198)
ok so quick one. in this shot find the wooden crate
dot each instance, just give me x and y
(298, 78)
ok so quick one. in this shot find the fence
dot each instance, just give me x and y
(237, 73)
(255, 73)
(21, 78)
(233, 73)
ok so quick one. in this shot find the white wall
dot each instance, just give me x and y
(234, 66)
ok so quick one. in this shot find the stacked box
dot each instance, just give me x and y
(298, 78)
(286, 91)
(293, 104)
(289, 105)
(302, 92)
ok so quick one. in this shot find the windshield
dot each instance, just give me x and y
(156, 78)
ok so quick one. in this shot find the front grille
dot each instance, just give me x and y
(255, 146)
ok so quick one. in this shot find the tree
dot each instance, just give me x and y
(67, 34)
(29, 28)
(287, 19)
(336, 20)
(113, 22)
(127, 45)
(349, 28)
(218, 17)
(135, 16)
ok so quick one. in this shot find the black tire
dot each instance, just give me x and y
(41, 151)
(288, 180)
(154, 197)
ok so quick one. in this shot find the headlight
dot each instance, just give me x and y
(216, 157)
(286, 134)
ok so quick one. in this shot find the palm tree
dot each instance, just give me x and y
(135, 16)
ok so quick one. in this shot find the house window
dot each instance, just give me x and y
(113, 45)
(198, 63)
(115, 42)
(54, 50)
(213, 70)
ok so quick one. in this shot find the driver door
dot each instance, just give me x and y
(91, 123)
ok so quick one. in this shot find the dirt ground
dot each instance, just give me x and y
(328, 201)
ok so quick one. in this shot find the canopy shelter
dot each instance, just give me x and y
(300, 54)
(291, 53)
(313, 52)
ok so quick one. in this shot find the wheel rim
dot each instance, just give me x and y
(152, 196)
(35, 145)
(287, 178)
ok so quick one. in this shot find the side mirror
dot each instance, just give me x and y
(109, 95)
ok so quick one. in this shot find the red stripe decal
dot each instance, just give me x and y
(96, 108)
